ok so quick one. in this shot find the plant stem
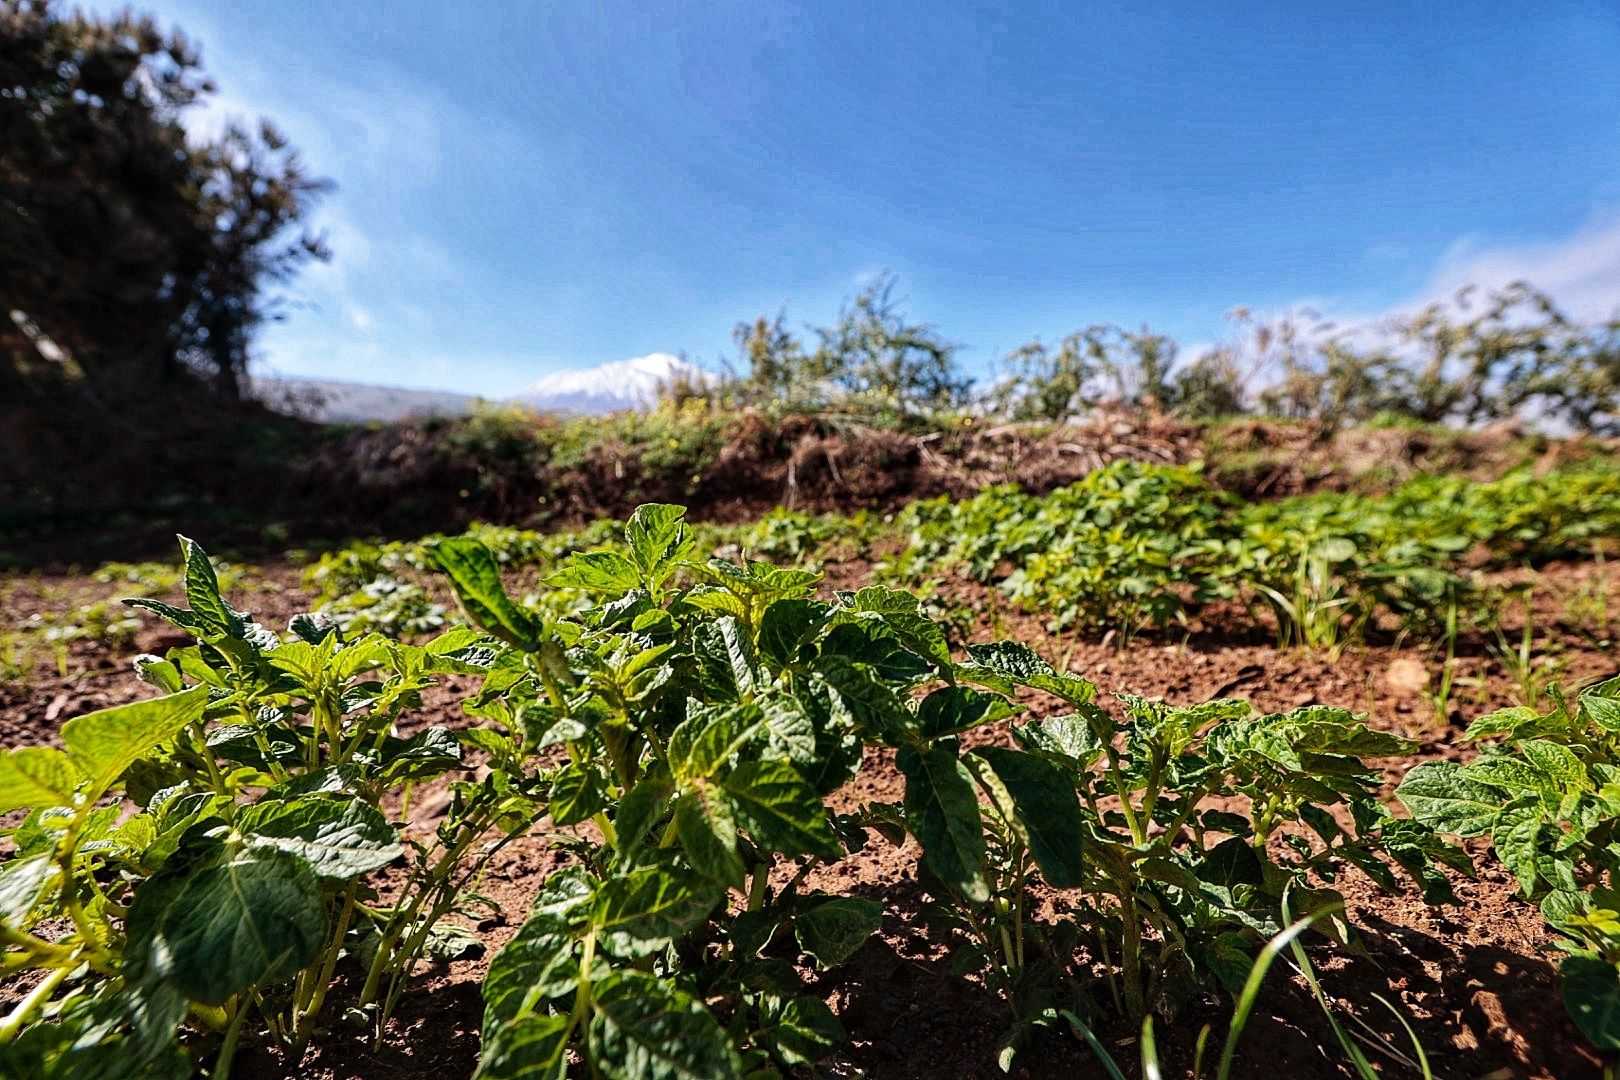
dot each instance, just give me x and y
(227, 1048)
(12, 1024)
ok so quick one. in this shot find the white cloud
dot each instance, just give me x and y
(1581, 272)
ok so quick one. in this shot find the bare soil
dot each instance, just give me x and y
(1476, 980)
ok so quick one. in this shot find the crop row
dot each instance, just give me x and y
(1134, 546)
(1130, 548)
(200, 868)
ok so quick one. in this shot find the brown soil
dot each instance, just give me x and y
(281, 481)
(1474, 980)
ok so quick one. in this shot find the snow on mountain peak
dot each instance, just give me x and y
(611, 387)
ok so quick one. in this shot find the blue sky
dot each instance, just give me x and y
(526, 187)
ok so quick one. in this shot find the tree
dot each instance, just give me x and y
(1510, 352)
(132, 253)
(778, 369)
(1045, 383)
(883, 362)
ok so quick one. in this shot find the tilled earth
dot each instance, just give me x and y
(1475, 980)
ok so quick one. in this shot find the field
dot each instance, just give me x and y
(673, 799)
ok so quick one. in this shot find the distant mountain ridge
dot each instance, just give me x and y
(619, 386)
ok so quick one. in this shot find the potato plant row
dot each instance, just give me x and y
(201, 869)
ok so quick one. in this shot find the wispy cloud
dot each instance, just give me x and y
(1581, 271)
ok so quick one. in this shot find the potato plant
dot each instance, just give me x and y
(1546, 791)
(704, 712)
(1136, 546)
(1180, 840)
(225, 902)
(236, 860)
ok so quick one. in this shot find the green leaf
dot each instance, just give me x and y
(180, 617)
(833, 930)
(531, 1047)
(339, 839)
(537, 964)
(1524, 839)
(476, 578)
(951, 709)
(576, 794)
(597, 571)
(642, 911)
(781, 809)
(995, 664)
(709, 737)
(1556, 762)
(644, 1028)
(658, 539)
(1441, 796)
(805, 1031)
(22, 883)
(943, 813)
(36, 776)
(1070, 739)
(215, 930)
(1602, 710)
(1501, 722)
(103, 744)
(1047, 805)
(868, 702)
(213, 616)
(785, 626)
(1592, 996)
(708, 834)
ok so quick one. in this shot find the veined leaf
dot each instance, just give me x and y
(597, 571)
(36, 776)
(339, 839)
(658, 539)
(804, 1031)
(103, 744)
(785, 626)
(943, 813)
(476, 578)
(215, 930)
(708, 834)
(834, 929)
(213, 615)
(1047, 805)
(22, 883)
(537, 964)
(1068, 738)
(531, 1047)
(998, 664)
(644, 1028)
(642, 911)
(952, 709)
(1441, 796)
(781, 809)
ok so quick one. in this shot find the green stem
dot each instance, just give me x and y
(40, 994)
(311, 1009)
(227, 1048)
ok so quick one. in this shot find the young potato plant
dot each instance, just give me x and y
(1179, 840)
(1546, 791)
(198, 865)
(701, 715)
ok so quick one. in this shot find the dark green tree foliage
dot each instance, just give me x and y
(873, 360)
(1137, 369)
(879, 359)
(132, 250)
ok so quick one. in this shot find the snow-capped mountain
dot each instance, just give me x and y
(612, 387)
(615, 387)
